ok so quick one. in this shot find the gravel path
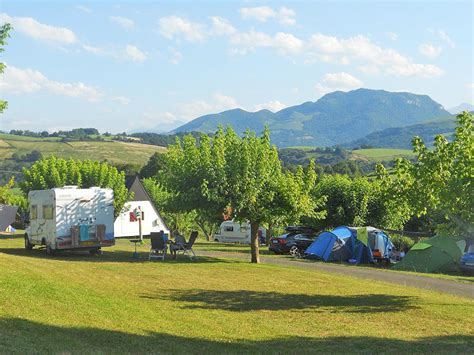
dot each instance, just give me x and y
(419, 281)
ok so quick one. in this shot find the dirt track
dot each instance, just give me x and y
(419, 281)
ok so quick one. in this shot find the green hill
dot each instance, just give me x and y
(335, 119)
(401, 137)
(113, 151)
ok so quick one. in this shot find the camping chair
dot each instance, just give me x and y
(187, 248)
(158, 246)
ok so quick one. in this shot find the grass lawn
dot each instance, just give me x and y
(77, 303)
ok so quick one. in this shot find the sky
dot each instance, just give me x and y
(154, 65)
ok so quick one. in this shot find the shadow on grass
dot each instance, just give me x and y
(243, 300)
(24, 336)
(109, 256)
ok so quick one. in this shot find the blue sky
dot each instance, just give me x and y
(146, 65)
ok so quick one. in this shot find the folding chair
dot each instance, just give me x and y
(187, 248)
(158, 246)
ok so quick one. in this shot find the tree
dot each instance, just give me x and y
(56, 172)
(154, 165)
(440, 180)
(240, 177)
(193, 175)
(181, 221)
(4, 34)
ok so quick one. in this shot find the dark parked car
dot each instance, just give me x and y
(467, 261)
(294, 242)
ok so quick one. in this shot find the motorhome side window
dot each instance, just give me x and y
(229, 228)
(34, 212)
(47, 212)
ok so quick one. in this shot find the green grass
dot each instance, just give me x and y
(117, 152)
(245, 249)
(379, 154)
(77, 303)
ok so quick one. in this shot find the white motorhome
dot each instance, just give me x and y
(235, 232)
(71, 218)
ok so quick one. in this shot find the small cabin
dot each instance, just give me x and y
(126, 224)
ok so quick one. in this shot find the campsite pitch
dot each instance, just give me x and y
(80, 303)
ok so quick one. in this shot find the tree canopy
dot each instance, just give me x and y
(4, 34)
(56, 172)
(440, 181)
(237, 177)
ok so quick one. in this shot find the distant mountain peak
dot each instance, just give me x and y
(336, 118)
(461, 107)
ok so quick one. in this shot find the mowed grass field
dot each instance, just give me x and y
(113, 151)
(77, 303)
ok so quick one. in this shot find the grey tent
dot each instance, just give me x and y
(7, 216)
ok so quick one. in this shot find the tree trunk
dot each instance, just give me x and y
(207, 234)
(254, 244)
(269, 234)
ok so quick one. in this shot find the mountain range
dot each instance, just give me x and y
(338, 118)
(462, 107)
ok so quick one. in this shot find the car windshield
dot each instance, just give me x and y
(471, 249)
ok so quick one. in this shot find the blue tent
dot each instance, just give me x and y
(330, 247)
(347, 243)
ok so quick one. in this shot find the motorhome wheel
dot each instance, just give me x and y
(28, 245)
(49, 250)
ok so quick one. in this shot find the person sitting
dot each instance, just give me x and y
(177, 244)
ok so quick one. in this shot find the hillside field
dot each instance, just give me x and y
(112, 304)
(113, 151)
(381, 154)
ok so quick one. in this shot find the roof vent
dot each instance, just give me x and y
(70, 187)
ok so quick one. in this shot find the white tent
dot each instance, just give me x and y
(7, 216)
(126, 225)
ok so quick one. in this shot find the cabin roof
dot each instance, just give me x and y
(134, 185)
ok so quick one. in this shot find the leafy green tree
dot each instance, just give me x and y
(155, 164)
(185, 222)
(56, 172)
(440, 180)
(240, 177)
(4, 34)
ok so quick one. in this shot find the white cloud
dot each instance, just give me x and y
(286, 16)
(94, 50)
(174, 26)
(444, 36)
(135, 54)
(78, 90)
(176, 56)
(429, 50)
(83, 8)
(470, 85)
(196, 108)
(284, 43)
(258, 13)
(283, 15)
(121, 100)
(21, 81)
(392, 35)
(221, 26)
(338, 82)
(122, 21)
(273, 106)
(361, 48)
(32, 28)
